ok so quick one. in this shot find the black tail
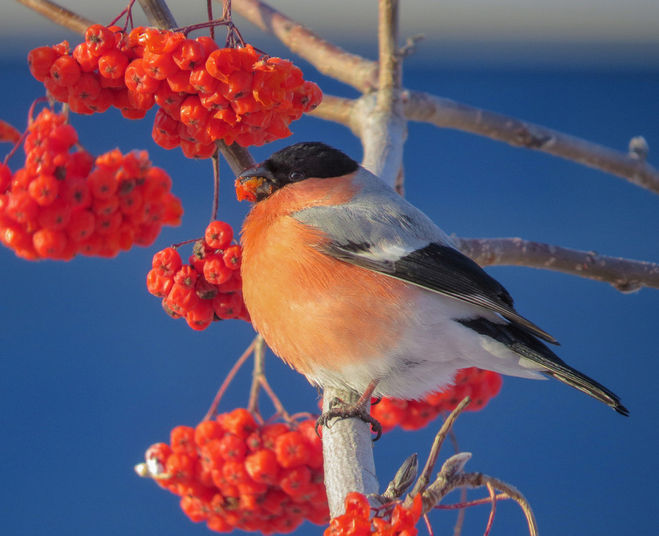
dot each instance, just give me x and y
(587, 385)
(526, 345)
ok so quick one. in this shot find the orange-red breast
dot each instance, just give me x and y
(350, 284)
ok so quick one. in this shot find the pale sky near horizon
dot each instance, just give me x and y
(612, 21)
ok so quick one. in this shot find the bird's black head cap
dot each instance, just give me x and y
(293, 164)
(308, 159)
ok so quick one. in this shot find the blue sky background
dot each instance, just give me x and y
(92, 371)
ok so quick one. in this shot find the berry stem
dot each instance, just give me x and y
(128, 11)
(216, 184)
(192, 240)
(459, 522)
(476, 502)
(30, 119)
(209, 9)
(259, 381)
(426, 520)
(275, 400)
(258, 372)
(185, 30)
(493, 509)
(212, 411)
(15, 147)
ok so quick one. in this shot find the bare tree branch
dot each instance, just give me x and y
(326, 57)
(447, 113)
(625, 275)
(348, 454)
(236, 156)
(337, 109)
(58, 14)
(158, 13)
(382, 126)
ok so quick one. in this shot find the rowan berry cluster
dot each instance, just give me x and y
(234, 473)
(357, 520)
(204, 93)
(209, 287)
(64, 203)
(479, 385)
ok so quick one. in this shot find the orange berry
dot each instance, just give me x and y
(158, 284)
(40, 60)
(85, 58)
(228, 305)
(137, 79)
(167, 262)
(215, 271)
(218, 234)
(44, 189)
(112, 65)
(292, 449)
(65, 71)
(239, 422)
(159, 66)
(182, 440)
(81, 225)
(49, 243)
(99, 39)
(262, 466)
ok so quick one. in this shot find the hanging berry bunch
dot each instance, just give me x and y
(357, 519)
(479, 385)
(209, 287)
(64, 202)
(234, 473)
(204, 93)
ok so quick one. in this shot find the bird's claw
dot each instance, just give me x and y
(341, 410)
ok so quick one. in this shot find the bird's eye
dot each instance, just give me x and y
(296, 176)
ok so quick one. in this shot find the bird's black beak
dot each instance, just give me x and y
(255, 183)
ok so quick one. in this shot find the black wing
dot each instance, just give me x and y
(444, 270)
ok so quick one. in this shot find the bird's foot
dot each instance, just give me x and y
(340, 410)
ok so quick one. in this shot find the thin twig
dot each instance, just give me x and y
(462, 513)
(257, 373)
(225, 384)
(493, 509)
(477, 480)
(426, 520)
(424, 478)
(625, 275)
(279, 407)
(59, 15)
(468, 504)
(209, 10)
(215, 160)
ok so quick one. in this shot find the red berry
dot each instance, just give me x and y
(167, 262)
(218, 234)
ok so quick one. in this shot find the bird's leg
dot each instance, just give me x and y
(360, 409)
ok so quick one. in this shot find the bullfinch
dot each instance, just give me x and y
(356, 288)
